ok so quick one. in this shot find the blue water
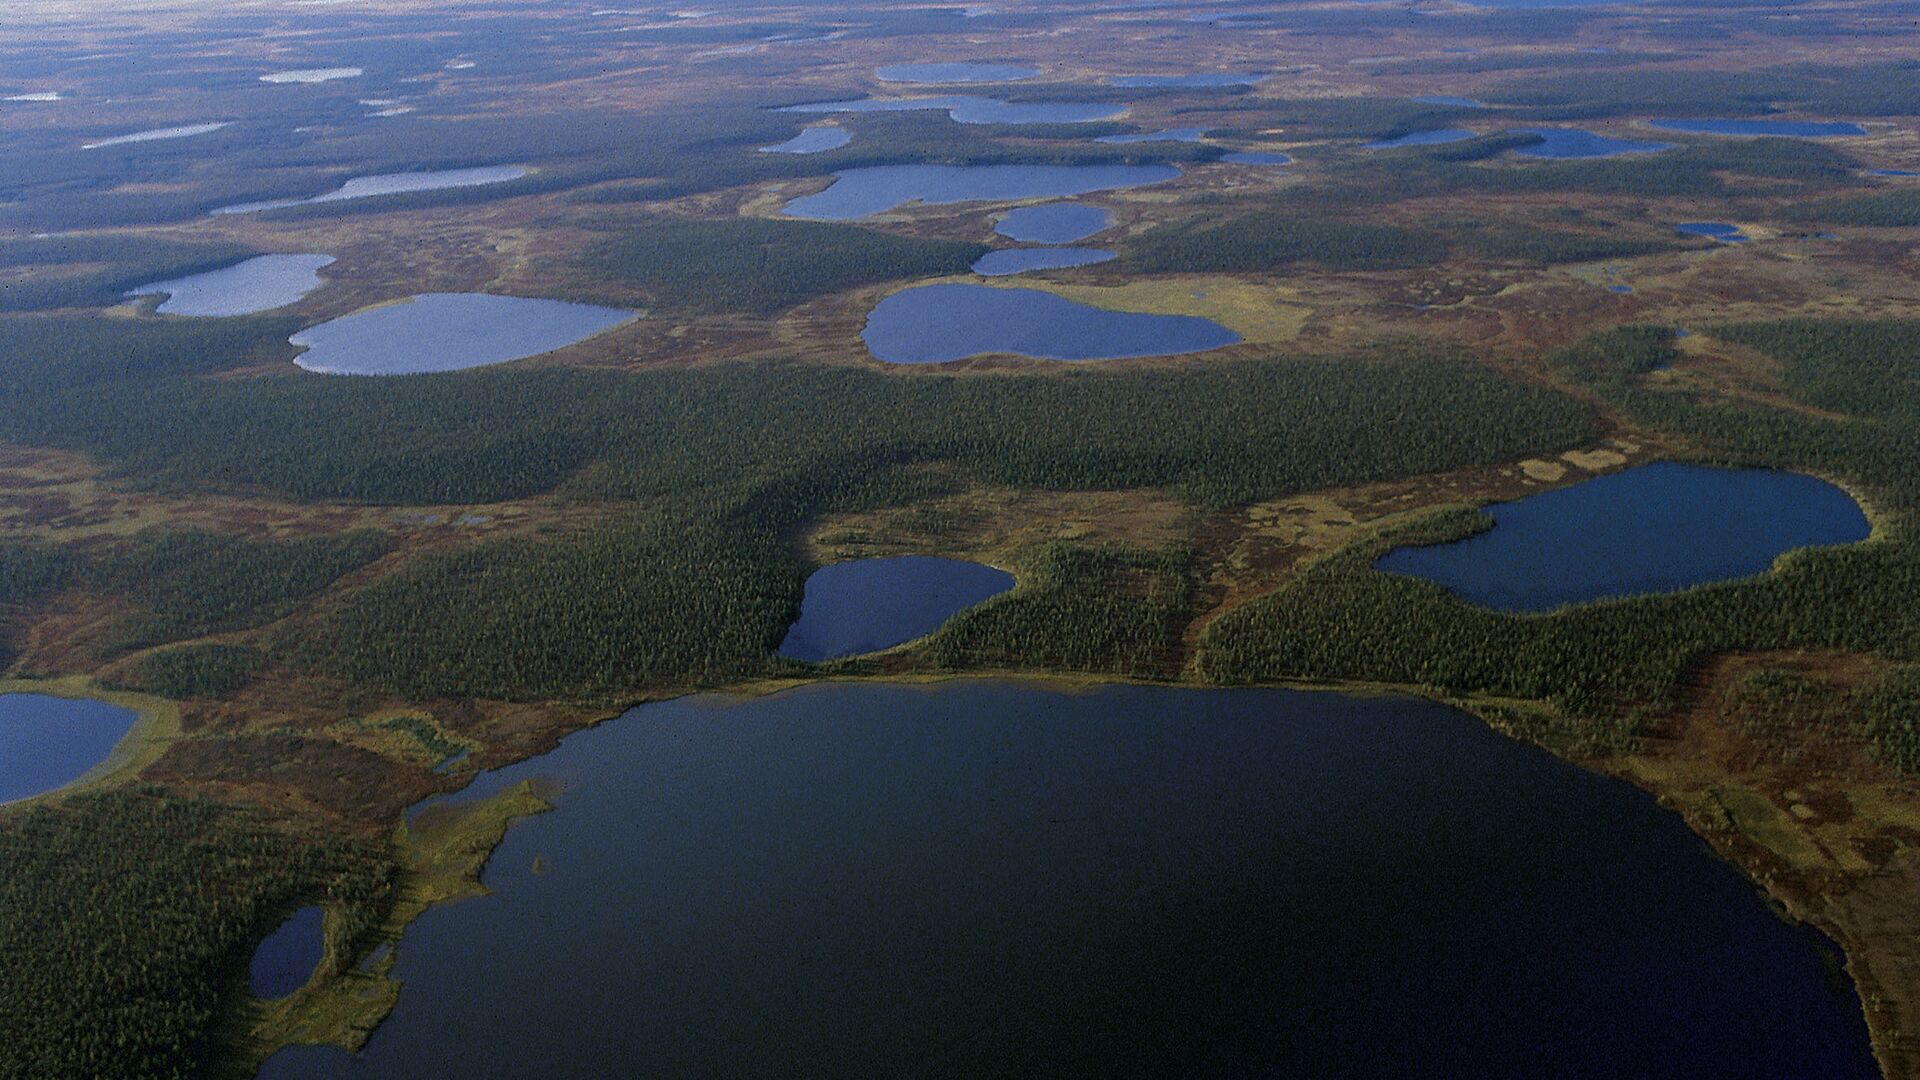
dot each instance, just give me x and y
(1656, 528)
(1053, 223)
(1810, 129)
(285, 960)
(1422, 138)
(1622, 289)
(1196, 81)
(1726, 234)
(1563, 143)
(858, 193)
(812, 140)
(933, 324)
(47, 742)
(447, 332)
(962, 72)
(1256, 157)
(258, 284)
(1892, 172)
(867, 605)
(1191, 134)
(1450, 99)
(1020, 260)
(364, 187)
(1001, 879)
(966, 109)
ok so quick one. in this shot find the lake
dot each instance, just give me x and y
(1193, 81)
(258, 284)
(364, 187)
(1436, 137)
(1892, 172)
(1256, 157)
(1566, 143)
(1807, 129)
(1020, 260)
(1652, 529)
(1726, 234)
(866, 605)
(1451, 100)
(1188, 134)
(447, 332)
(285, 960)
(812, 140)
(312, 75)
(977, 110)
(956, 72)
(858, 193)
(1053, 223)
(982, 879)
(932, 324)
(48, 742)
(157, 134)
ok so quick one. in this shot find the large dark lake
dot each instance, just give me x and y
(47, 742)
(1001, 879)
(933, 324)
(858, 193)
(1656, 528)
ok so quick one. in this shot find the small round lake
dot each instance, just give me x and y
(1572, 143)
(285, 960)
(1726, 234)
(1053, 223)
(1805, 129)
(366, 187)
(1020, 260)
(858, 193)
(955, 72)
(1436, 137)
(812, 140)
(1003, 879)
(258, 284)
(866, 605)
(48, 742)
(447, 332)
(312, 75)
(933, 324)
(1652, 529)
(966, 109)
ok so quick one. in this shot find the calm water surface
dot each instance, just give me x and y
(1189, 134)
(1422, 138)
(1564, 143)
(993, 879)
(47, 742)
(312, 75)
(933, 324)
(1809, 129)
(1656, 528)
(362, 187)
(959, 72)
(1450, 99)
(1726, 234)
(285, 960)
(258, 284)
(447, 332)
(858, 193)
(866, 605)
(812, 140)
(1053, 223)
(965, 109)
(157, 135)
(1020, 260)
(1200, 80)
